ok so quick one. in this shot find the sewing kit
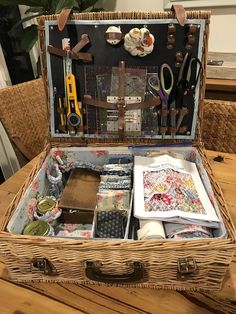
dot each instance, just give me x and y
(123, 193)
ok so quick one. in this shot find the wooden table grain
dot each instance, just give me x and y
(37, 298)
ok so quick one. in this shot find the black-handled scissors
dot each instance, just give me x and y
(188, 78)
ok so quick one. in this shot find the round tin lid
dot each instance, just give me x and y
(46, 204)
(37, 227)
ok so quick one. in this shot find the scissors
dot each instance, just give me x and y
(163, 85)
(188, 78)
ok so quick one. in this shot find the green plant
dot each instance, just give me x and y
(45, 7)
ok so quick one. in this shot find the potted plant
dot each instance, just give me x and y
(45, 7)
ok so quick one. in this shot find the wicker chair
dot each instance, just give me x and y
(23, 112)
(24, 115)
(219, 125)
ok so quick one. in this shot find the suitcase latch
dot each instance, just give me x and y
(186, 268)
(44, 265)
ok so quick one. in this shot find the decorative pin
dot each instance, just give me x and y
(191, 39)
(178, 59)
(171, 36)
(113, 35)
(139, 42)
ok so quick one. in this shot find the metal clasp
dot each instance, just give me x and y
(186, 268)
(44, 265)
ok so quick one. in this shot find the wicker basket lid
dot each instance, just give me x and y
(121, 17)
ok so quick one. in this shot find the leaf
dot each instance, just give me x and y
(30, 3)
(97, 9)
(25, 19)
(88, 9)
(34, 10)
(29, 37)
(85, 4)
(65, 4)
(53, 6)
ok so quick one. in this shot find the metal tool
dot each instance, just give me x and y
(74, 116)
(173, 113)
(163, 85)
(188, 78)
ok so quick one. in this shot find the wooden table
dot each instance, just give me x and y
(223, 89)
(69, 298)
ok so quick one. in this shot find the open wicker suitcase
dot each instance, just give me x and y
(199, 264)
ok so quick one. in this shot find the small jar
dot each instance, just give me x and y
(38, 228)
(47, 210)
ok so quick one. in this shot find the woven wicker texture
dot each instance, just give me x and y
(161, 264)
(160, 257)
(128, 15)
(219, 125)
(24, 116)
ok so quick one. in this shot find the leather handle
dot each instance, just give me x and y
(93, 272)
(180, 13)
(88, 100)
(63, 18)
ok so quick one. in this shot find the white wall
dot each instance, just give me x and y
(222, 30)
(132, 5)
(222, 27)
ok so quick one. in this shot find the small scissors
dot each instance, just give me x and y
(163, 87)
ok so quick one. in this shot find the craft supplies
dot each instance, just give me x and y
(38, 228)
(171, 189)
(170, 36)
(191, 36)
(47, 210)
(179, 231)
(54, 176)
(150, 229)
(163, 86)
(110, 224)
(80, 190)
(113, 35)
(113, 200)
(74, 230)
(46, 204)
(188, 78)
(139, 42)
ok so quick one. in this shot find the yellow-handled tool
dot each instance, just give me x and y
(74, 116)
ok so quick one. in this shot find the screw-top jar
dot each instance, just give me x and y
(39, 228)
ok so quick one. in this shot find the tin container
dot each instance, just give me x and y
(38, 228)
(47, 210)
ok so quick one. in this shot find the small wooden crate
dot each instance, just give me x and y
(183, 264)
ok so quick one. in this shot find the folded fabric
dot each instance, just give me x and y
(119, 185)
(120, 160)
(74, 230)
(110, 224)
(118, 167)
(114, 178)
(183, 231)
(113, 200)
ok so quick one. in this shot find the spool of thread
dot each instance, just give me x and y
(150, 229)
